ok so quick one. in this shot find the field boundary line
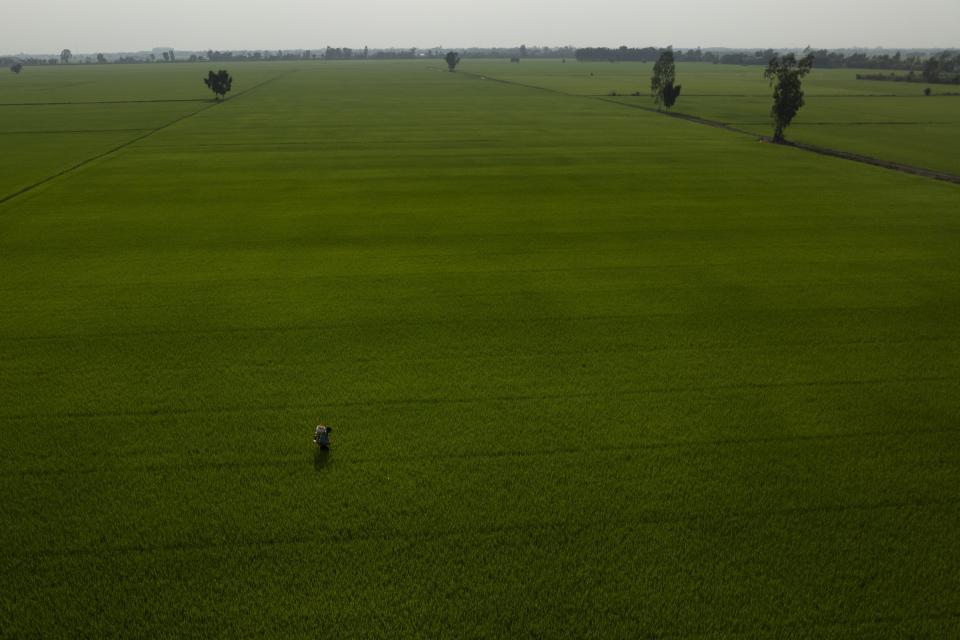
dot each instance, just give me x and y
(381, 275)
(32, 133)
(466, 400)
(480, 76)
(693, 347)
(420, 322)
(870, 160)
(347, 535)
(855, 123)
(82, 102)
(824, 151)
(121, 147)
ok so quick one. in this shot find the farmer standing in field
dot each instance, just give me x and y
(322, 436)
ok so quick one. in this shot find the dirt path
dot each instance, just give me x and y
(824, 151)
(877, 162)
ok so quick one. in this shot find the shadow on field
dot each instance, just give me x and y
(321, 457)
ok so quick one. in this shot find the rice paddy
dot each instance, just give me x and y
(593, 371)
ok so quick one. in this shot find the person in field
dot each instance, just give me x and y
(322, 436)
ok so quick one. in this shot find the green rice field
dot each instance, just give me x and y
(889, 120)
(593, 372)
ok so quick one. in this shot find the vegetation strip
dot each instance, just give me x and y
(109, 152)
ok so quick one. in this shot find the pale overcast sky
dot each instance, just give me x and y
(88, 26)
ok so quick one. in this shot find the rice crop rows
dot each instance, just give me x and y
(593, 372)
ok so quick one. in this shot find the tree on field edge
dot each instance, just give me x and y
(453, 59)
(220, 83)
(662, 83)
(785, 74)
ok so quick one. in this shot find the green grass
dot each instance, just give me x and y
(593, 372)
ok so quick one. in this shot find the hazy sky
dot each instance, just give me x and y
(88, 26)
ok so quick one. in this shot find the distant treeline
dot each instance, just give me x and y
(913, 76)
(623, 54)
(329, 53)
(650, 54)
(941, 69)
(520, 52)
(824, 59)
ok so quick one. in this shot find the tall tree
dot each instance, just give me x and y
(662, 87)
(65, 56)
(220, 83)
(453, 59)
(785, 74)
(101, 59)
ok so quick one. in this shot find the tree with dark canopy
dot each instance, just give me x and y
(65, 56)
(219, 82)
(670, 95)
(784, 74)
(453, 59)
(662, 87)
(16, 67)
